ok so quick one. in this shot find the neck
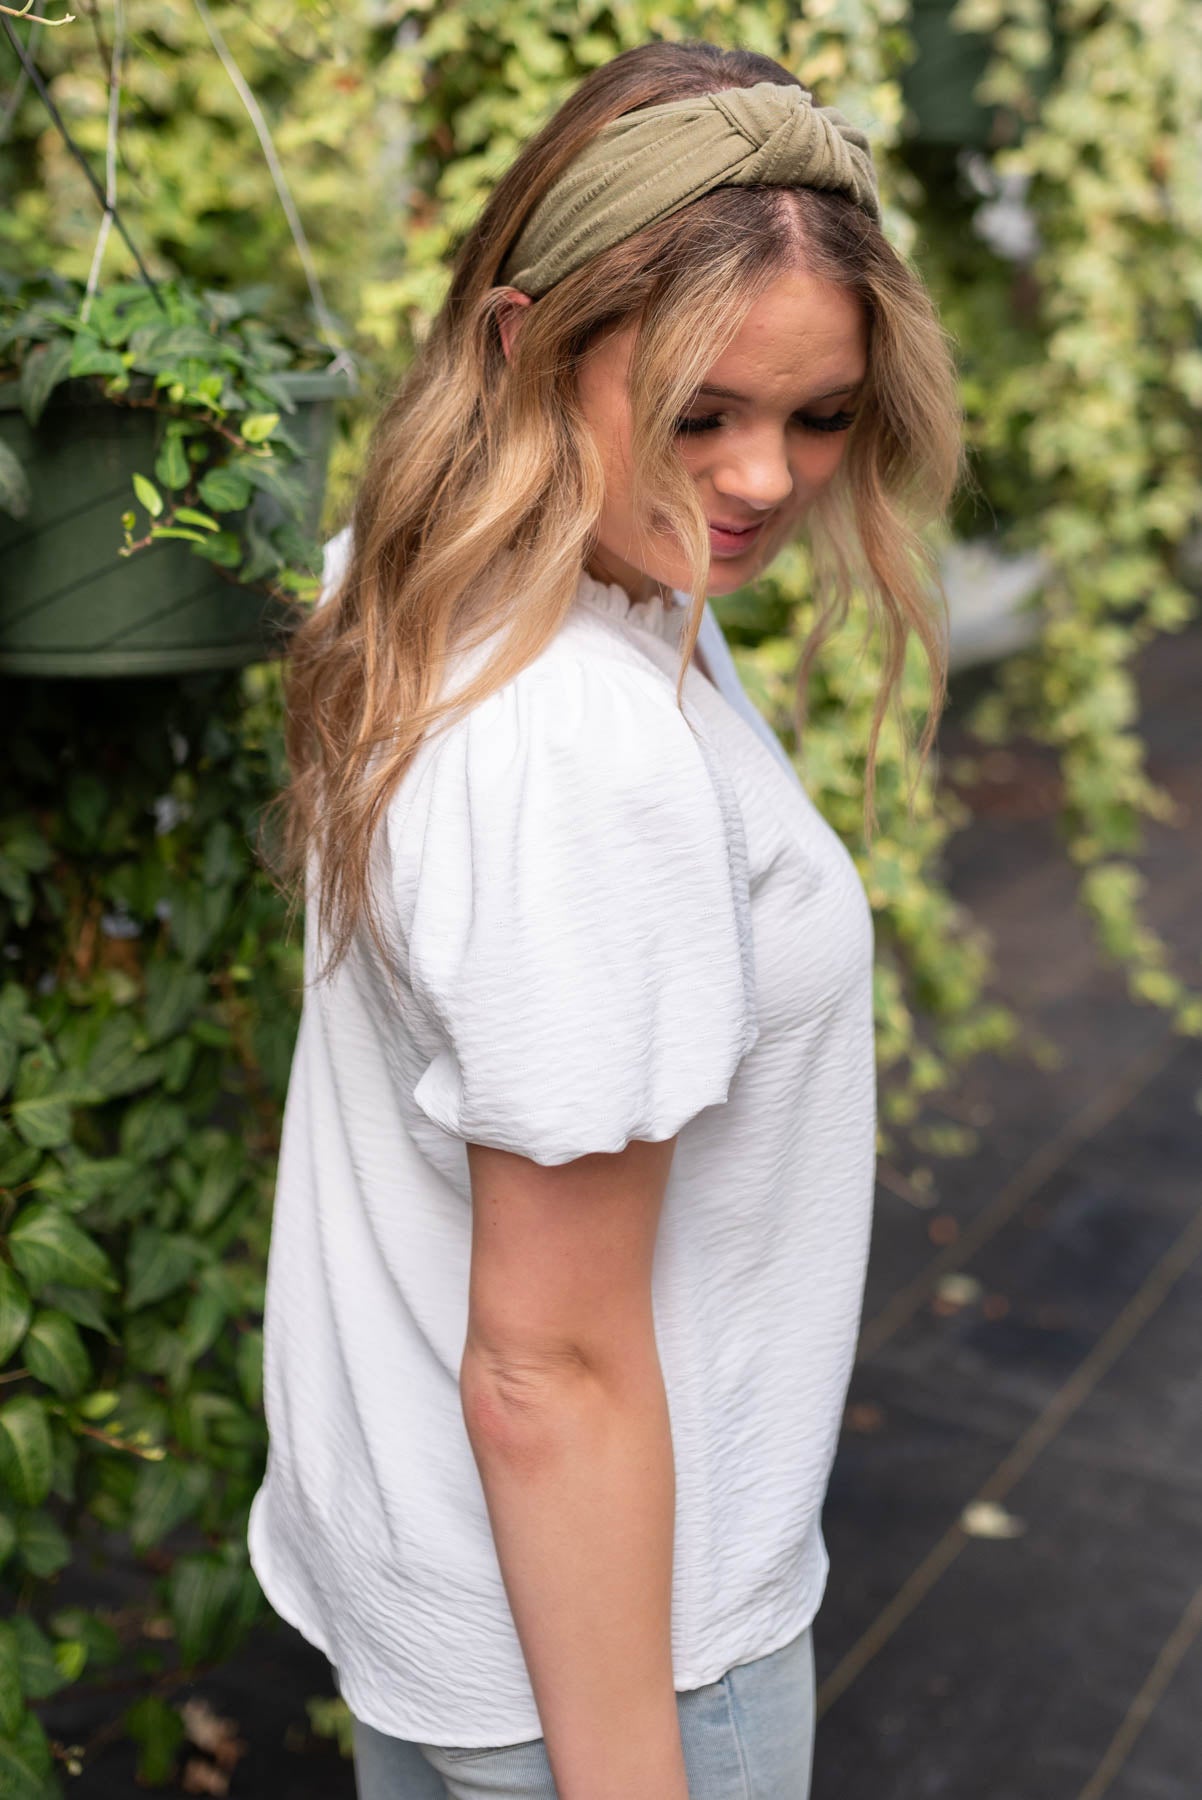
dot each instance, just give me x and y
(638, 585)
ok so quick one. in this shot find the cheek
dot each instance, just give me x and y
(614, 440)
(816, 461)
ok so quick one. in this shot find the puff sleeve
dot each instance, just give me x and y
(580, 926)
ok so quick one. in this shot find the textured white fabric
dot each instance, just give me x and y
(610, 921)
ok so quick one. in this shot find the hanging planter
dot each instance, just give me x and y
(163, 452)
(161, 481)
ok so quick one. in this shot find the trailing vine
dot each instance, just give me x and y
(210, 369)
(1097, 421)
(148, 999)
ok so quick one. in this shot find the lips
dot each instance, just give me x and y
(728, 540)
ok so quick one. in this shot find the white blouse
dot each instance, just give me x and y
(610, 921)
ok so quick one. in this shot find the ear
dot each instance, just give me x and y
(510, 314)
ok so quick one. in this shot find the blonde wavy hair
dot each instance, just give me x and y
(482, 482)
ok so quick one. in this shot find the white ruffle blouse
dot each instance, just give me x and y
(610, 921)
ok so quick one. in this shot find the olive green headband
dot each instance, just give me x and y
(648, 164)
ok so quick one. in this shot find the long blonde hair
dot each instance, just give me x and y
(482, 483)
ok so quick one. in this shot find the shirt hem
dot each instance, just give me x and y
(279, 1601)
(410, 1731)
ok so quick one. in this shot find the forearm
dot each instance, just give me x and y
(579, 1480)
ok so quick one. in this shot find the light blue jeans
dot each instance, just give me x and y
(747, 1736)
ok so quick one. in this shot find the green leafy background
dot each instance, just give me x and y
(148, 993)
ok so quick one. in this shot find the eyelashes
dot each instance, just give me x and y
(839, 421)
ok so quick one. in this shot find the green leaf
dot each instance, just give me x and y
(10, 1052)
(171, 464)
(118, 1063)
(263, 556)
(174, 992)
(159, 1263)
(48, 1246)
(269, 474)
(148, 494)
(197, 915)
(90, 357)
(225, 550)
(15, 492)
(203, 1594)
(40, 1674)
(158, 1731)
(100, 1639)
(178, 531)
(224, 489)
(77, 1180)
(26, 1452)
(257, 427)
(99, 1405)
(203, 1421)
(293, 581)
(165, 1494)
(85, 1307)
(16, 1310)
(177, 343)
(153, 1348)
(71, 1658)
(190, 516)
(8, 1537)
(12, 1700)
(152, 1127)
(219, 1182)
(28, 848)
(43, 1101)
(26, 1763)
(41, 373)
(54, 1352)
(43, 1545)
(18, 1161)
(17, 889)
(203, 1320)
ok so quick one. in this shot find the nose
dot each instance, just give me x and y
(757, 474)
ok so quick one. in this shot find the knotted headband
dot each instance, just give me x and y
(651, 162)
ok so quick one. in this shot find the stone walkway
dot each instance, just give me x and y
(1015, 1521)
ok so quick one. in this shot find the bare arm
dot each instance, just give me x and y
(564, 1402)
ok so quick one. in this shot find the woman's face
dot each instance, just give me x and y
(760, 451)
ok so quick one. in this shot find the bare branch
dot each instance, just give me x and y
(36, 18)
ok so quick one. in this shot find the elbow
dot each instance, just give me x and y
(523, 1407)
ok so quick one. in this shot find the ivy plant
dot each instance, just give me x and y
(147, 1013)
(209, 367)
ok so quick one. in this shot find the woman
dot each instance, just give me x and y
(575, 1183)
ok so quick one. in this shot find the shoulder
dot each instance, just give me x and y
(582, 775)
(587, 715)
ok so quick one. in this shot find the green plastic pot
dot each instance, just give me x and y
(70, 605)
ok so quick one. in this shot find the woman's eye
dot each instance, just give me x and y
(838, 421)
(687, 427)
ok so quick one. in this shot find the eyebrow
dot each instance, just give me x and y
(725, 393)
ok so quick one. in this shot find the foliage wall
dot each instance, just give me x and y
(146, 1020)
(146, 1025)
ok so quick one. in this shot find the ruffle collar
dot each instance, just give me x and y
(663, 618)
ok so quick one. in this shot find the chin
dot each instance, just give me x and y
(733, 573)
